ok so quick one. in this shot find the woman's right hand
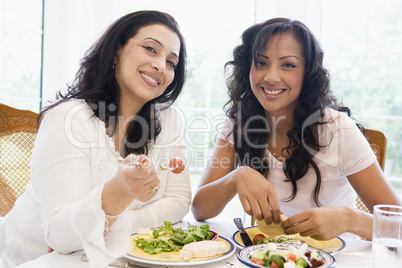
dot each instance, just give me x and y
(138, 178)
(257, 195)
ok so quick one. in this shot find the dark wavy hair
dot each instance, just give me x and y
(314, 97)
(95, 80)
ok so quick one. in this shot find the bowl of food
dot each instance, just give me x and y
(285, 255)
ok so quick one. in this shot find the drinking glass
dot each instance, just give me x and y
(387, 236)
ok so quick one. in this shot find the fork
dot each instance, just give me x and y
(120, 262)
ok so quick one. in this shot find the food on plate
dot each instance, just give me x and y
(271, 230)
(334, 244)
(257, 238)
(168, 239)
(177, 165)
(201, 249)
(292, 257)
(262, 239)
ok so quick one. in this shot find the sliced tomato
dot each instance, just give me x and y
(177, 165)
(258, 261)
(257, 238)
(291, 257)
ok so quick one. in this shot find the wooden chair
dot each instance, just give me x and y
(378, 143)
(17, 137)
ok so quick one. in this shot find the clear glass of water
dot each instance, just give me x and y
(387, 236)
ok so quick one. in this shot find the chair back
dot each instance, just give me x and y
(17, 137)
(378, 143)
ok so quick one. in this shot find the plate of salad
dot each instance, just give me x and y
(164, 246)
(283, 255)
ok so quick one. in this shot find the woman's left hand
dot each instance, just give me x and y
(323, 223)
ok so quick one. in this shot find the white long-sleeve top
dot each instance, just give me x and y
(61, 207)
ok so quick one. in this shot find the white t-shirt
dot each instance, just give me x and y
(348, 152)
(61, 207)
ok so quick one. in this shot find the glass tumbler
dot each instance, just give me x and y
(387, 236)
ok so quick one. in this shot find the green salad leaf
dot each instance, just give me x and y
(168, 239)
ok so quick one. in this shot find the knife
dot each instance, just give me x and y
(243, 234)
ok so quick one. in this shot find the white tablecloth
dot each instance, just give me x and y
(356, 254)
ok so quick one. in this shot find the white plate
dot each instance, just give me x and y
(144, 259)
(245, 254)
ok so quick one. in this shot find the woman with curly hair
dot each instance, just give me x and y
(287, 145)
(94, 179)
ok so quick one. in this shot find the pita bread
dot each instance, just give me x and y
(272, 230)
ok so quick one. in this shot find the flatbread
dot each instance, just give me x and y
(272, 230)
(275, 230)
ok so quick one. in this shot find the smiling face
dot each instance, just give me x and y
(145, 66)
(277, 77)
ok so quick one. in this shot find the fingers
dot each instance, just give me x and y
(154, 188)
(267, 208)
(246, 205)
(154, 184)
(131, 159)
(301, 223)
(295, 224)
(262, 208)
(275, 208)
(147, 163)
(139, 177)
(141, 164)
(145, 189)
(302, 228)
(257, 195)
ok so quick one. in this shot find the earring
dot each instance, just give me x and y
(114, 62)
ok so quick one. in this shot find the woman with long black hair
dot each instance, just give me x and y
(94, 175)
(287, 145)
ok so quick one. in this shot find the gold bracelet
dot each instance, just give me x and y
(111, 217)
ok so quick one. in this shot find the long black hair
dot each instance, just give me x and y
(95, 80)
(314, 97)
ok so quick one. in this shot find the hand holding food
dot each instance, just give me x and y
(137, 177)
(271, 230)
(272, 233)
(322, 223)
(257, 195)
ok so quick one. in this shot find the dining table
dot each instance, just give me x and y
(355, 254)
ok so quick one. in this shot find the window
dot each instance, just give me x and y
(21, 53)
(362, 50)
